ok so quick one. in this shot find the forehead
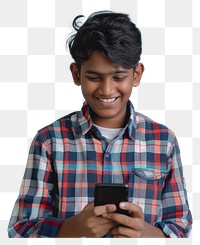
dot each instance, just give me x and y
(100, 63)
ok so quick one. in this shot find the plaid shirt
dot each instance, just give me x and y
(68, 157)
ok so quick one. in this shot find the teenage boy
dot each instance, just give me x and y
(105, 142)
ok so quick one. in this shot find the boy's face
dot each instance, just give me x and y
(107, 88)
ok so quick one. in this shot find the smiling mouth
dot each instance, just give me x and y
(109, 100)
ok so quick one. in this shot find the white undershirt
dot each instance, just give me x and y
(109, 133)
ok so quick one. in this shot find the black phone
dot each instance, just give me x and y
(111, 194)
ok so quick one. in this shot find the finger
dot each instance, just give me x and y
(122, 231)
(101, 226)
(103, 221)
(108, 225)
(99, 210)
(122, 219)
(104, 209)
(133, 209)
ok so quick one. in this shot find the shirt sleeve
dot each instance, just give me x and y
(32, 214)
(176, 217)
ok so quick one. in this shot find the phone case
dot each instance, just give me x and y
(111, 194)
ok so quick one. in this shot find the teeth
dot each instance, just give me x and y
(108, 100)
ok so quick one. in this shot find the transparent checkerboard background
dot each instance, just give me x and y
(36, 87)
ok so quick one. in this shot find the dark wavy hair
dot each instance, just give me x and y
(112, 33)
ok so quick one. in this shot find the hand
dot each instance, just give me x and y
(89, 222)
(93, 224)
(133, 226)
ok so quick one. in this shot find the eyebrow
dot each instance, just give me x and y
(108, 73)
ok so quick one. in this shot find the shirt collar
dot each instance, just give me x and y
(84, 122)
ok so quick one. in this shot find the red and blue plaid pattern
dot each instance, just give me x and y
(68, 157)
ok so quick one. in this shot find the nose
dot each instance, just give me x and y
(106, 87)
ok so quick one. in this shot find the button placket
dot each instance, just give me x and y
(107, 175)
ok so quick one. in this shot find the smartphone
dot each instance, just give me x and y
(111, 194)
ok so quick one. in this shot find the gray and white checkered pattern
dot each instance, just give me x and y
(36, 87)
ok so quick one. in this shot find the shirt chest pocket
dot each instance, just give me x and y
(146, 184)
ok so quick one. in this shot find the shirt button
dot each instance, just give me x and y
(107, 155)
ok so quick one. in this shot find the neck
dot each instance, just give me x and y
(118, 122)
(108, 124)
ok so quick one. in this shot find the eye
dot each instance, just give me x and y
(93, 78)
(119, 78)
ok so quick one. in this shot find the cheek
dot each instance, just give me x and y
(126, 88)
(87, 88)
(84, 92)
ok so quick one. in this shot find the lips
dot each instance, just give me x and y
(109, 100)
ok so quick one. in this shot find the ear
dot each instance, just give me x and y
(75, 74)
(137, 74)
